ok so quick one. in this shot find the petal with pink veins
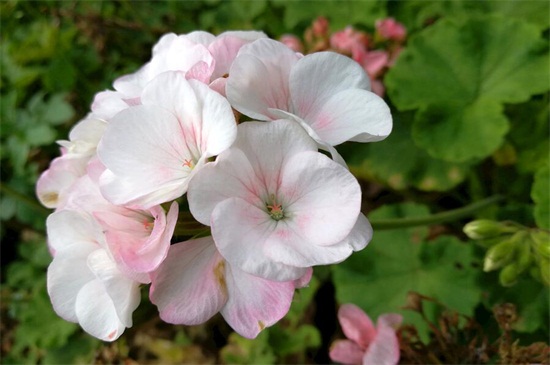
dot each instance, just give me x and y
(356, 325)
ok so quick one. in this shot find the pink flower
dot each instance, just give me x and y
(195, 282)
(348, 39)
(390, 29)
(366, 344)
(320, 26)
(273, 206)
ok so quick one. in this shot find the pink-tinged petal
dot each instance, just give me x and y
(247, 35)
(189, 287)
(201, 71)
(139, 240)
(304, 280)
(356, 115)
(374, 62)
(230, 176)
(384, 349)
(286, 246)
(254, 303)
(122, 290)
(164, 43)
(206, 119)
(245, 247)
(145, 151)
(54, 182)
(317, 77)
(346, 352)
(392, 320)
(96, 312)
(108, 103)
(68, 228)
(224, 50)
(218, 85)
(360, 234)
(258, 78)
(268, 147)
(321, 214)
(200, 37)
(356, 325)
(67, 274)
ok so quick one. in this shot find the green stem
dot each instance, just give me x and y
(24, 199)
(448, 216)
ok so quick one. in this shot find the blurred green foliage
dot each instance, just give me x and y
(469, 95)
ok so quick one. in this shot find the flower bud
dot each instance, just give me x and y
(483, 228)
(524, 256)
(499, 255)
(509, 274)
(541, 242)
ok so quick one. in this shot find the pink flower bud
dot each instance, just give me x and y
(390, 29)
(320, 26)
(348, 39)
(292, 42)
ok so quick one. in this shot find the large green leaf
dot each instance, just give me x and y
(459, 73)
(402, 260)
(540, 194)
(400, 164)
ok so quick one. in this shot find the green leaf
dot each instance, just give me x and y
(539, 194)
(340, 13)
(399, 261)
(286, 342)
(460, 133)
(400, 164)
(461, 72)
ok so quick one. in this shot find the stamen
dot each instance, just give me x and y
(188, 163)
(274, 209)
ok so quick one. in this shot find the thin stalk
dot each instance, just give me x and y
(448, 216)
(24, 199)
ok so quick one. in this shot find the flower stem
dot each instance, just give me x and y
(448, 216)
(4, 189)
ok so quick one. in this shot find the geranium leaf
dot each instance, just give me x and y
(461, 72)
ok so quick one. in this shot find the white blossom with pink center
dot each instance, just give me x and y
(327, 93)
(195, 282)
(151, 151)
(276, 205)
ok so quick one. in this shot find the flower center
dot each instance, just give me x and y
(188, 163)
(275, 209)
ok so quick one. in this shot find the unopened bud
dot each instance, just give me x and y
(541, 242)
(509, 274)
(499, 255)
(524, 255)
(483, 228)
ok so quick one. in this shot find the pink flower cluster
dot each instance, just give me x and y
(375, 53)
(171, 131)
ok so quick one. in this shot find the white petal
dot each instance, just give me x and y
(254, 303)
(241, 232)
(96, 312)
(67, 274)
(320, 197)
(356, 115)
(319, 76)
(123, 291)
(189, 287)
(258, 78)
(145, 150)
(230, 176)
(68, 228)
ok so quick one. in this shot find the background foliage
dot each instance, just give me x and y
(470, 102)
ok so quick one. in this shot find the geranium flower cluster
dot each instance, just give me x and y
(376, 52)
(174, 133)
